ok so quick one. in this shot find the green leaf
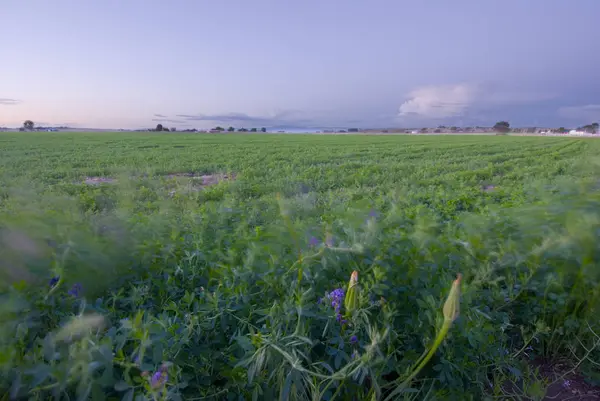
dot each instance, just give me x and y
(83, 393)
(121, 386)
(40, 373)
(284, 395)
(128, 396)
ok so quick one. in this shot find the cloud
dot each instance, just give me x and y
(586, 114)
(280, 118)
(161, 116)
(438, 102)
(167, 120)
(9, 102)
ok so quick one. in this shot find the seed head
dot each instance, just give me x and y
(452, 305)
(79, 326)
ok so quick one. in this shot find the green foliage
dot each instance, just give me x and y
(150, 288)
(502, 126)
(28, 124)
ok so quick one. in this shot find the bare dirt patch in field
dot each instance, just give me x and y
(565, 384)
(99, 180)
(197, 182)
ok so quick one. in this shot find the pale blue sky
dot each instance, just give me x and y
(309, 63)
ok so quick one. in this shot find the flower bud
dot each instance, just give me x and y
(351, 301)
(452, 304)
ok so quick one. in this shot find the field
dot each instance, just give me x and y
(218, 267)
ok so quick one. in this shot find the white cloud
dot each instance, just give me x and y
(585, 114)
(439, 101)
(459, 100)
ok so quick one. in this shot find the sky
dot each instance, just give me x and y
(303, 64)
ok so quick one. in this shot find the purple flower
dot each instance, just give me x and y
(353, 340)
(75, 291)
(336, 297)
(53, 281)
(373, 213)
(340, 319)
(354, 354)
(159, 378)
(314, 241)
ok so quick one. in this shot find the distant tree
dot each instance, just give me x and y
(560, 130)
(230, 129)
(263, 129)
(173, 129)
(166, 129)
(591, 128)
(253, 130)
(502, 126)
(217, 128)
(242, 130)
(423, 130)
(28, 124)
(437, 131)
(159, 127)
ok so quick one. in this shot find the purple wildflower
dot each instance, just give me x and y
(353, 340)
(337, 297)
(53, 281)
(75, 291)
(374, 213)
(340, 319)
(313, 241)
(354, 354)
(159, 378)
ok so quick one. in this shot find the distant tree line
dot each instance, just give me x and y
(590, 128)
(232, 129)
(161, 128)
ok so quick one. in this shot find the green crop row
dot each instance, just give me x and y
(217, 267)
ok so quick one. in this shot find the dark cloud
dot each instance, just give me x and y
(168, 120)
(9, 102)
(161, 116)
(284, 118)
